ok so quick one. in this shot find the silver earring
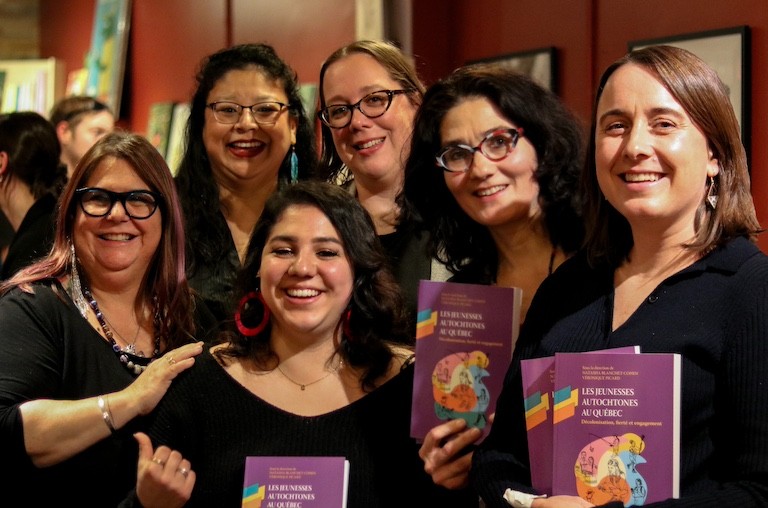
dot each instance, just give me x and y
(77, 288)
(712, 193)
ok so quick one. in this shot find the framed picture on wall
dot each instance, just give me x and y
(726, 51)
(106, 59)
(538, 64)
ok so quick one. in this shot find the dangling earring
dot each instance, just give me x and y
(712, 193)
(244, 306)
(77, 288)
(294, 161)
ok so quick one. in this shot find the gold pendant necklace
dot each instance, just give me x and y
(303, 386)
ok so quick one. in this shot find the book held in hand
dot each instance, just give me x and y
(286, 482)
(616, 427)
(538, 386)
(465, 335)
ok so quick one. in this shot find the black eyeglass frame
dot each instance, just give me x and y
(114, 197)
(323, 113)
(516, 133)
(212, 105)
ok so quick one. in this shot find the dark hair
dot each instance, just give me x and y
(33, 152)
(400, 69)
(166, 281)
(377, 312)
(74, 108)
(704, 97)
(197, 187)
(456, 239)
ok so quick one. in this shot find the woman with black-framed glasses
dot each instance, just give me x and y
(369, 94)
(94, 332)
(493, 175)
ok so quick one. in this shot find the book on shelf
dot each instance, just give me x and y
(177, 139)
(538, 386)
(159, 125)
(465, 335)
(308, 482)
(616, 427)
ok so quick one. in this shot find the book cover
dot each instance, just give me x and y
(465, 335)
(177, 140)
(307, 482)
(538, 386)
(616, 427)
(159, 125)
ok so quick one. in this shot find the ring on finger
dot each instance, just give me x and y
(184, 471)
(170, 360)
(159, 462)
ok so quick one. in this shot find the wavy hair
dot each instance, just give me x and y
(456, 239)
(377, 312)
(33, 152)
(165, 280)
(399, 67)
(197, 187)
(704, 97)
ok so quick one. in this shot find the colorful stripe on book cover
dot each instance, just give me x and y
(536, 407)
(426, 321)
(253, 495)
(566, 401)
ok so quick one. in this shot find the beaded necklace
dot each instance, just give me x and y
(136, 364)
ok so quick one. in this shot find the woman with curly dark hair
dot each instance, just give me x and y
(312, 370)
(247, 135)
(493, 175)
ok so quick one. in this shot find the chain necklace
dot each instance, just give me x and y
(130, 347)
(136, 364)
(303, 386)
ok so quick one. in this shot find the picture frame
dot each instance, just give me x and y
(106, 58)
(727, 51)
(539, 64)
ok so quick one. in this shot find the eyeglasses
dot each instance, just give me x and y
(495, 146)
(373, 105)
(263, 113)
(138, 204)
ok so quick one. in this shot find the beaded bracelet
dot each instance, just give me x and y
(106, 414)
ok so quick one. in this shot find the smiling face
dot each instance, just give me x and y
(116, 245)
(652, 161)
(246, 150)
(306, 276)
(373, 148)
(491, 193)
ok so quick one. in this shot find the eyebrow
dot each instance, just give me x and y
(455, 142)
(653, 112)
(366, 90)
(290, 239)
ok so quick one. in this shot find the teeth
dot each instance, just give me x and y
(489, 191)
(302, 293)
(641, 177)
(370, 144)
(120, 237)
(247, 144)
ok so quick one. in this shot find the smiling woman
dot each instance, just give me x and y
(314, 370)
(83, 326)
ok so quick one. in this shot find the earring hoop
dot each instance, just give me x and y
(243, 306)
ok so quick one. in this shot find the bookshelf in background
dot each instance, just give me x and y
(31, 85)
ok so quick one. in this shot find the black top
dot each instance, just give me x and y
(715, 313)
(215, 422)
(34, 237)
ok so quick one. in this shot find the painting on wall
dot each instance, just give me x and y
(726, 51)
(538, 64)
(106, 58)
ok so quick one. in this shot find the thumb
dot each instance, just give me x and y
(145, 446)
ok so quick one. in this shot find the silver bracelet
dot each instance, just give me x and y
(106, 414)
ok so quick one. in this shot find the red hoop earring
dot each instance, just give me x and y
(244, 302)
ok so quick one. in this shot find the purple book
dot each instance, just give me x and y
(465, 334)
(309, 482)
(538, 385)
(617, 427)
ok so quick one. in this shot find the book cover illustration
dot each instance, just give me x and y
(538, 384)
(159, 125)
(306, 482)
(616, 427)
(106, 58)
(465, 335)
(177, 140)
